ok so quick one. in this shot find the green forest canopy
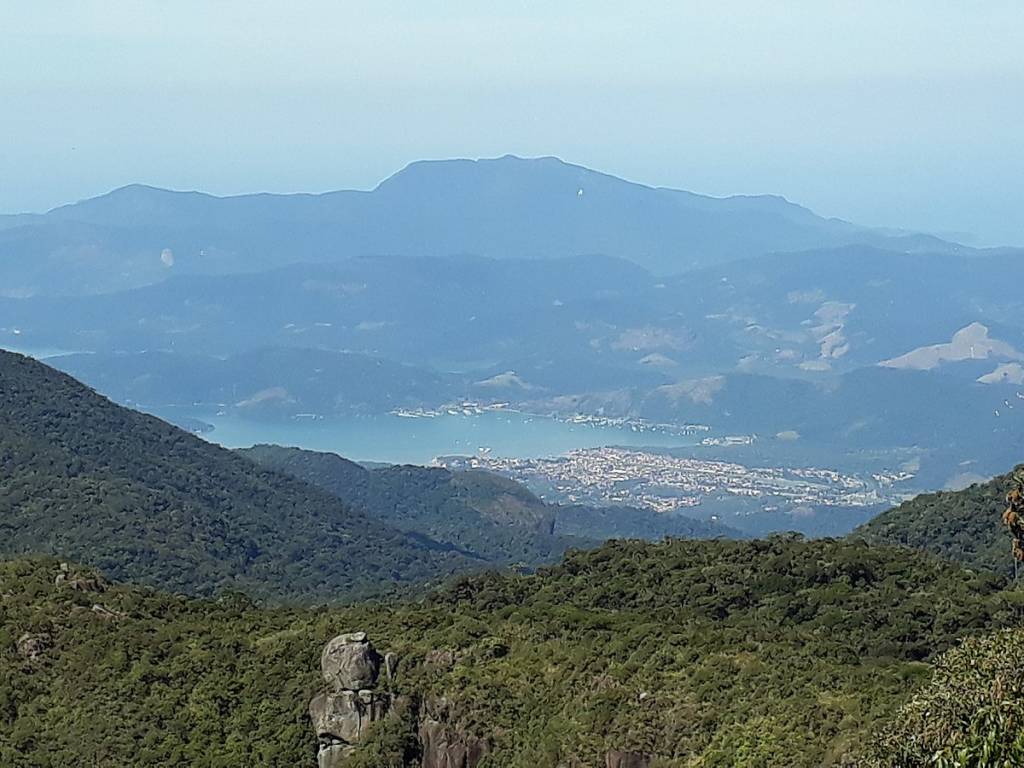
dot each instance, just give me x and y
(774, 652)
(85, 479)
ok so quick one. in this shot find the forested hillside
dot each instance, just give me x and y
(144, 501)
(964, 526)
(494, 519)
(765, 653)
(481, 513)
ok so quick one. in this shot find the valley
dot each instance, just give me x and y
(816, 352)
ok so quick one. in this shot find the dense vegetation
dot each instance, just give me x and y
(149, 680)
(765, 653)
(88, 480)
(617, 522)
(970, 714)
(962, 525)
(488, 516)
(493, 518)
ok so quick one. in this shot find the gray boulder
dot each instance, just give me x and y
(32, 647)
(344, 716)
(391, 666)
(333, 755)
(350, 663)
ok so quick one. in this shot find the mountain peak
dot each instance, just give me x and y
(507, 169)
(501, 207)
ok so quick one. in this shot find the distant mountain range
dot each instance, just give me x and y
(508, 207)
(801, 313)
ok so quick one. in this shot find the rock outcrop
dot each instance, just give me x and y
(617, 759)
(350, 663)
(354, 674)
(79, 583)
(444, 747)
(341, 715)
(443, 743)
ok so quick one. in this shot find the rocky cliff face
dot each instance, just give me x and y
(341, 715)
(353, 701)
(444, 746)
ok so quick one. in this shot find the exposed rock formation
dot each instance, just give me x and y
(445, 745)
(442, 658)
(350, 662)
(391, 666)
(79, 583)
(617, 759)
(342, 714)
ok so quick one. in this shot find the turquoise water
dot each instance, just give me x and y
(417, 441)
(397, 439)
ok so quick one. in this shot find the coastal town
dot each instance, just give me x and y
(666, 483)
(633, 424)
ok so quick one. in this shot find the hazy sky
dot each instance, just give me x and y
(891, 113)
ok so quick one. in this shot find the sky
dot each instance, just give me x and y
(898, 113)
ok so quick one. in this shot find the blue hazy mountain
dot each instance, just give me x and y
(501, 208)
(575, 324)
(837, 347)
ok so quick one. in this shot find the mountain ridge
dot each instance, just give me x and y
(963, 526)
(478, 512)
(89, 480)
(416, 167)
(430, 208)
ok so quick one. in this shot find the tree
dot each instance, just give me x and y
(1013, 519)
